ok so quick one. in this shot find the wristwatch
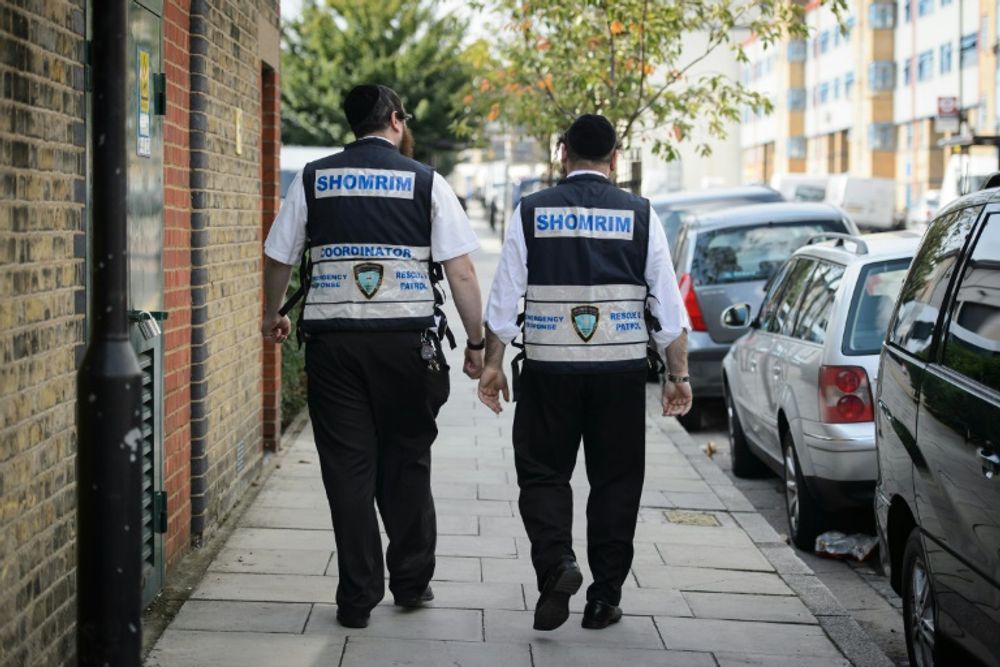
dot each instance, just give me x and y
(678, 379)
(475, 347)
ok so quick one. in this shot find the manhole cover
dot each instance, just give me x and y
(686, 518)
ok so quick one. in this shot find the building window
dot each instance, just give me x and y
(907, 14)
(925, 7)
(848, 85)
(824, 93)
(967, 50)
(796, 148)
(796, 99)
(824, 41)
(797, 51)
(945, 64)
(882, 15)
(945, 3)
(909, 135)
(882, 75)
(836, 88)
(925, 66)
(907, 72)
(882, 137)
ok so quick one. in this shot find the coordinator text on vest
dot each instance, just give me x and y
(361, 182)
(578, 222)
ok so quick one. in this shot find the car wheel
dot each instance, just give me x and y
(745, 462)
(806, 518)
(919, 604)
(692, 420)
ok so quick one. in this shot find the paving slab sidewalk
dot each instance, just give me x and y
(712, 583)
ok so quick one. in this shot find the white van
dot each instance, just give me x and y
(871, 202)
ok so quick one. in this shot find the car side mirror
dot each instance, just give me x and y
(737, 316)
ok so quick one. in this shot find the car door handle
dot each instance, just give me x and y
(885, 409)
(990, 462)
(753, 365)
(776, 372)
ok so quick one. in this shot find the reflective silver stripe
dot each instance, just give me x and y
(368, 252)
(585, 353)
(360, 182)
(579, 222)
(586, 293)
(574, 323)
(367, 310)
(370, 281)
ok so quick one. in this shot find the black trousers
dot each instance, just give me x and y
(609, 412)
(373, 404)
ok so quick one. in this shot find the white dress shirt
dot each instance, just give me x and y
(511, 282)
(451, 232)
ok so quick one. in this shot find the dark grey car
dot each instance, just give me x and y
(676, 207)
(727, 257)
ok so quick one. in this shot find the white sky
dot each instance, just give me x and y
(291, 8)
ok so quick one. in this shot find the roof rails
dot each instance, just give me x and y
(860, 247)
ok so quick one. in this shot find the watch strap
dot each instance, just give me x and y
(481, 345)
(677, 379)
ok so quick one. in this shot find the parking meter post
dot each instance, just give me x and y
(109, 386)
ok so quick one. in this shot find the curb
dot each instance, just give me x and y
(849, 638)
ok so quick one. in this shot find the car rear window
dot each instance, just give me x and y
(672, 215)
(752, 252)
(871, 309)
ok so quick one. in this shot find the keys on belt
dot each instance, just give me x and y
(429, 352)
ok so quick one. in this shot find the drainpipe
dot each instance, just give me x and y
(109, 387)
(199, 268)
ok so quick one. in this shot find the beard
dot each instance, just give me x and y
(407, 144)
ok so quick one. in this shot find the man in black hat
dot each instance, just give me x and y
(376, 226)
(592, 264)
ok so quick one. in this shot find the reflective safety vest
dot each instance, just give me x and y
(585, 307)
(369, 241)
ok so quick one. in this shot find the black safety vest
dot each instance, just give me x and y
(587, 242)
(368, 234)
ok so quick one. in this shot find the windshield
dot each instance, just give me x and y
(754, 252)
(874, 298)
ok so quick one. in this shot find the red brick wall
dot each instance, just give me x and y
(269, 201)
(177, 281)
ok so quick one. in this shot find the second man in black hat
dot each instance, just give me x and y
(591, 262)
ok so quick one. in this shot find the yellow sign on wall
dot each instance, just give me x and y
(143, 144)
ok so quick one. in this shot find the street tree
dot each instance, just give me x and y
(409, 45)
(634, 61)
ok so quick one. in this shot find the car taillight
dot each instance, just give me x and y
(845, 395)
(686, 285)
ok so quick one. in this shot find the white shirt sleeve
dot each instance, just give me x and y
(664, 300)
(509, 283)
(287, 238)
(451, 231)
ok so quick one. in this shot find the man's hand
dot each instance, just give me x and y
(492, 383)
(473, 366)
(676, 399)
(276, 328)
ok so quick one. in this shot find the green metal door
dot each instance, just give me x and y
(145, 238)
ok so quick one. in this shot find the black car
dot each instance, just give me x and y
(937, 501)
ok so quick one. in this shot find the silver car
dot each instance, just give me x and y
(799, 385)
(726, 257)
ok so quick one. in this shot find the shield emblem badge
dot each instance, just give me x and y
(585, 321)
(368, 278)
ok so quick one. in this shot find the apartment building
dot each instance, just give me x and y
(860, 94)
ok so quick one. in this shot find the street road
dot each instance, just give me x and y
(864, 592)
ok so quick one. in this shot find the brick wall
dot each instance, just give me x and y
(226, 239)
(42, 247)
(270, 200)
(177, 280)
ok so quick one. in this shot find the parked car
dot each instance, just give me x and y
(676, 207)
(726, 257)
(800, 187)
(923, 211)
(937, 427)
(965, 173)
(798, 384)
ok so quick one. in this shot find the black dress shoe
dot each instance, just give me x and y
(351, 619)
(552, 608)
(414, 601)
(598, 615)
